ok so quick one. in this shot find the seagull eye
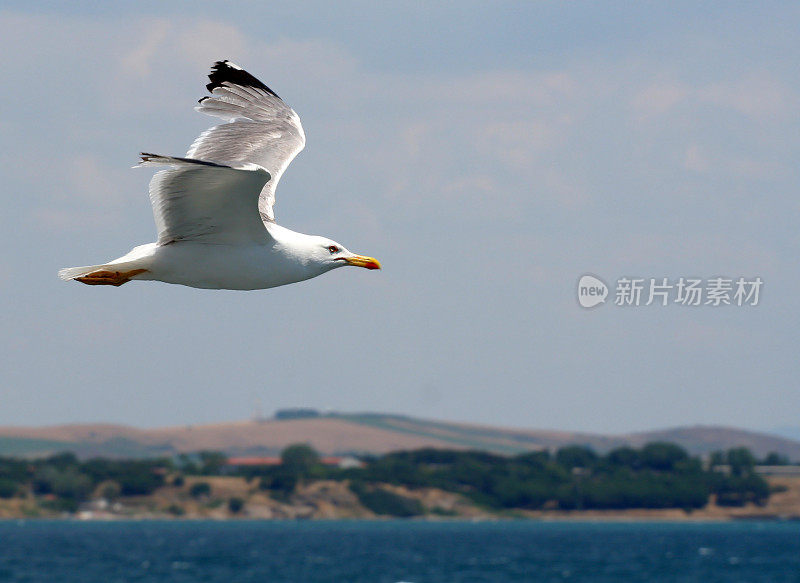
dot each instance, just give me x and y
(333, 249)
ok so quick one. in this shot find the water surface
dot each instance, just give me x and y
(392, 551)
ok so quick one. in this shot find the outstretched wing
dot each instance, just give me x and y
(263, 130)
(199, 200)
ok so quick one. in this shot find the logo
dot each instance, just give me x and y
(663, 291)
(591, 291)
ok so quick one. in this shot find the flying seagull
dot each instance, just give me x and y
(214, 208)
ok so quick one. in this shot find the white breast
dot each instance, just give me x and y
(227, 266)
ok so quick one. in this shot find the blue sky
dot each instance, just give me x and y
(489, 154)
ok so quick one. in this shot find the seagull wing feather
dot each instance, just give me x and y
(204, 201)
(261, 128)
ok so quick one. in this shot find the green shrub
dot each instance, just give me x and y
(300, 459)
(65, 483)
(576, 456)
(135, 477)
(110, 490)
(235, 505)
(60, 505)
(200, 489)
(662, 456)
(280, 484)
(16, 470)
(176, 510)
(739, 490)
(381, 501)
(8, 488)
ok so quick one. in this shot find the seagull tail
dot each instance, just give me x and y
(72, 272)
(116, 272)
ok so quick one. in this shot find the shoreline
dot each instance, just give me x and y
(420, 519)
(330, 500)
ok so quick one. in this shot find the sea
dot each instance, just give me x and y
(397, 551)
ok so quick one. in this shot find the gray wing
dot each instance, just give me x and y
(262, 129)
(198, 200)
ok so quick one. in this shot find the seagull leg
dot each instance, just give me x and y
(115, 278)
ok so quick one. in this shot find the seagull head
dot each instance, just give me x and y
(316, 254)
(330, 254)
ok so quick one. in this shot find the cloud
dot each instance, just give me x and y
(206, 41)
(138, 61)
(89, 194)
(757, 96)
(658, 98)
(88, 180)
(695, 159)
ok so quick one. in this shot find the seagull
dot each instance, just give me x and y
(213, 208)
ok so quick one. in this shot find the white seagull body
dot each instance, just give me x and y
(214, 208)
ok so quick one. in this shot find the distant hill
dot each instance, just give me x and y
(702, 439)
(787, 431)
(365, 433)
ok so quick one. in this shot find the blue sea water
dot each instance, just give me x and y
(394, 551)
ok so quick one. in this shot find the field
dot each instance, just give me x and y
(356, 433)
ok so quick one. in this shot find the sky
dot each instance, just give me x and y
(488, 154)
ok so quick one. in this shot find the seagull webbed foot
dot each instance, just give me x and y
(115, 278)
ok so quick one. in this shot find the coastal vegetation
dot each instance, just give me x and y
(573, 478)
(659, 475)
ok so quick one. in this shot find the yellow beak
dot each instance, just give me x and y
(361, 261)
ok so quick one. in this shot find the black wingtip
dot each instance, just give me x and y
(225, 71)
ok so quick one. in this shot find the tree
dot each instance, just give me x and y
(62, 460)
(576, 456)
(624, 456)
(235, 505)
(739, 490)
(135, 477)
(662, 456)
(200, 489)
(187, 464)
(16, 470)
(741, 461)
(110, 490)
(43, 480)
(8, 488)
(212, 462)
(716, 458)
(775, 459)
(65, 483)
(537, 459)
(382, 501)
(300, 459)
(279, 482)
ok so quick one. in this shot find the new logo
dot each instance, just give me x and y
(591, 291)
